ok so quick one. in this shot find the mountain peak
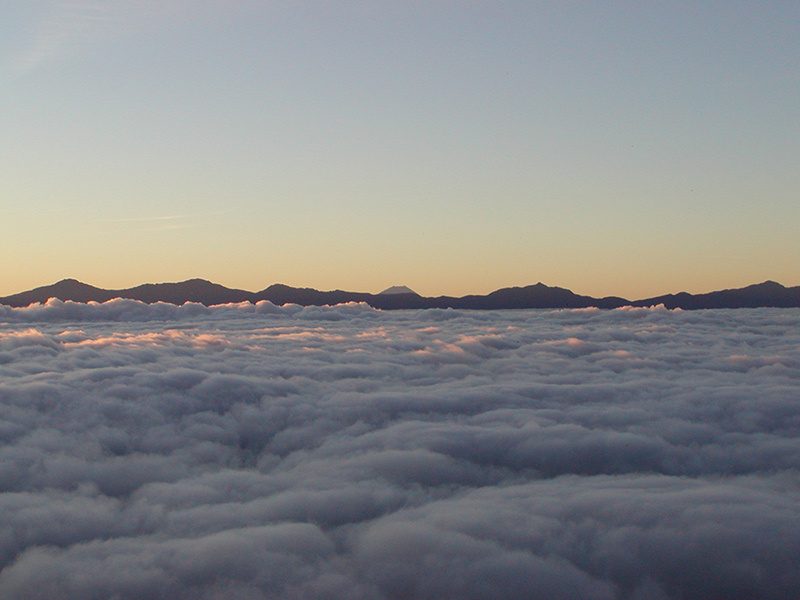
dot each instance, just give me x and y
(768, 285)
(70, 283)
(398, 289)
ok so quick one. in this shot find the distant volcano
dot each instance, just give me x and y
(398, 289)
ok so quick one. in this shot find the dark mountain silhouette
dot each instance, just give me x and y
(767, 294)
(537, 296)
(193, 290)
(284, 294)
(66, 289)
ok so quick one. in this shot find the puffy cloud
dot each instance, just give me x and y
(254, 451)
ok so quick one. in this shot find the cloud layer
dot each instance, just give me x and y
(253, 452)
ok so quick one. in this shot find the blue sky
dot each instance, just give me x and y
(629, 148)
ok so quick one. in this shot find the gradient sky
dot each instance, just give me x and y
(627, 148)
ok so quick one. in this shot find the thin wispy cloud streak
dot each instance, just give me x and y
(145, 219)
(71, 28)
(67, 27)
(255, 451)
(165, 222)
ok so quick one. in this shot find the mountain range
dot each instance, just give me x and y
(767, 294)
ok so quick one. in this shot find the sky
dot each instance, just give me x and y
(613, 148)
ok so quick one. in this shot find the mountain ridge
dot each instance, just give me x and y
(765, 294)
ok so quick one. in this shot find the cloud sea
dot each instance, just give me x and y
(253, 451)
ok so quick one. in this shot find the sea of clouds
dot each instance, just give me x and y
(253, 451)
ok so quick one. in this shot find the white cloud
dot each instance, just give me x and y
(253, 451)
